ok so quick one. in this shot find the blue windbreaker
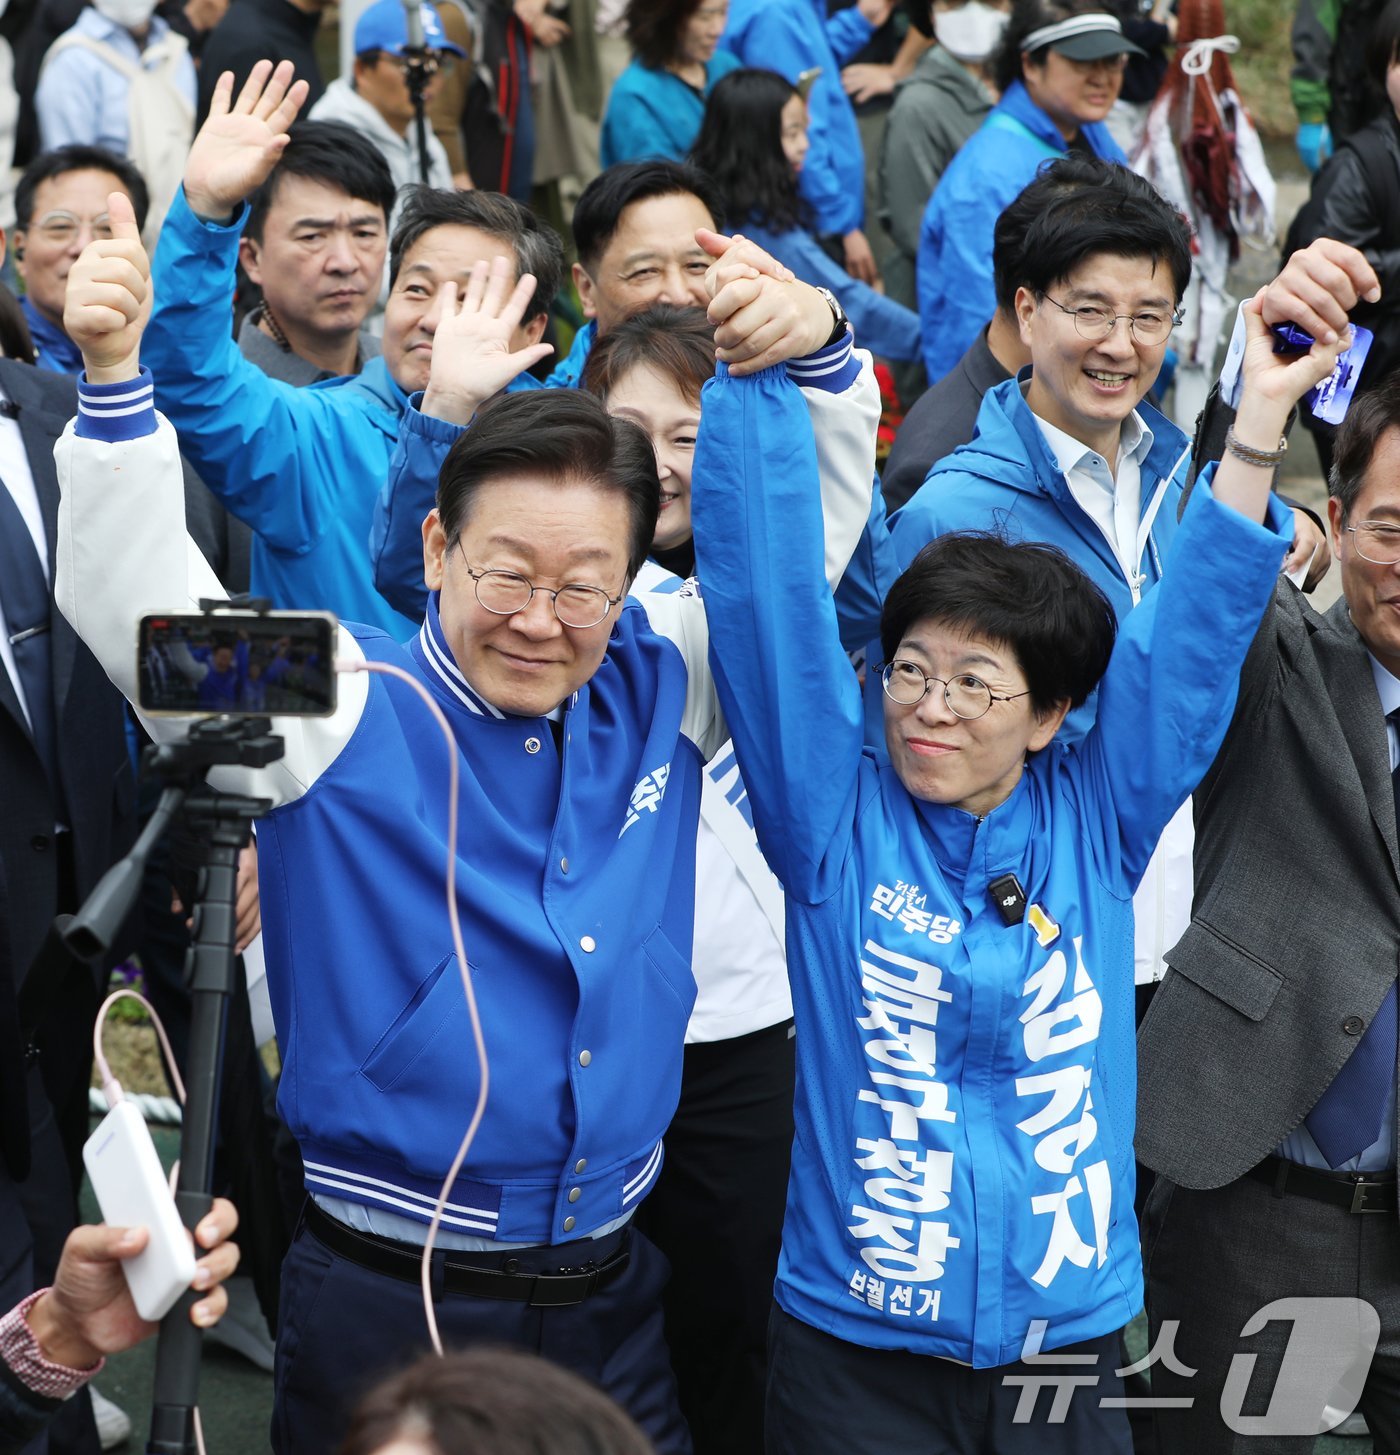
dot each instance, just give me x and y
(956, 293)
(1008, 479)
(655, 114)
(302, 466)
(793, 36)
(963, 1163)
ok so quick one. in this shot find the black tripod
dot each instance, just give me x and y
(222, 822)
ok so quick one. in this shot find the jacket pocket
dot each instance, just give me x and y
(429, 1014)
(673, 967)
(1224, 970)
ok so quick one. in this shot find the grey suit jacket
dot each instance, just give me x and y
(1295, 932)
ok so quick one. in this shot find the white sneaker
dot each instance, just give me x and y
(1354, 1424)
(113, 1422)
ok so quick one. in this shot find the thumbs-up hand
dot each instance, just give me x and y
(109, 298)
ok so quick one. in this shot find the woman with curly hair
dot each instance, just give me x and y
(657, 103)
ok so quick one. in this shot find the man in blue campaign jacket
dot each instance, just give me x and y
(1058, 82)
(581, 749)
(1038, 467)
(962, 1172)
(795, 37)
(303, 466)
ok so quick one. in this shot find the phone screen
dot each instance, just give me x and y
(252, 665)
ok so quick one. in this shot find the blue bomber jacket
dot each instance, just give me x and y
(962, 1174)
(575, 867)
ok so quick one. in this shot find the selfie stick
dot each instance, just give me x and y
(416, 54)
(222, 822)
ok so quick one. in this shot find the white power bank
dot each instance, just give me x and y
(132, 1191)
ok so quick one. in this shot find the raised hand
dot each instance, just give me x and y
(763, 314)
(1319, 285)
(472, 354)
(108, 299)
(239, 143)
(1279, 381)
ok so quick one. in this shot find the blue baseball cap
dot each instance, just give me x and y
(384, 27)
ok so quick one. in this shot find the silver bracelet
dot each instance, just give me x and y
(1264, 459)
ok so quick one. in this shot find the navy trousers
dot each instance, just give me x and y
(343, 1327)
(830, 1397)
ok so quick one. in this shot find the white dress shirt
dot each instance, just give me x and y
(1111, 496)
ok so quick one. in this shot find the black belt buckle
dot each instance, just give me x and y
(565, 1289)
(1358, 1197)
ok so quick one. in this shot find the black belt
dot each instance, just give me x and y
(1357, 1192)
(452, 1274)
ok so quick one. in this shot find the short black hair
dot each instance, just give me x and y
(329, 152)
(1027, 596)
(1058, 178)
(1026, 16)
(598, 213)
(557, 434)
(79, 158)
(1369, 416)
(740, 146)
(536, 245)
(1114, 211)
(497, 1399)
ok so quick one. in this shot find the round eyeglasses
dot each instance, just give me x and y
(1377, 542)
(62, 227)
(1148, 327)
(968, 697)
(503, 593)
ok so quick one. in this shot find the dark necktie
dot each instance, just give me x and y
(1344, 1122)
(24, 599)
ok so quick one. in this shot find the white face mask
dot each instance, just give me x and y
(970, 33)
(129, 14)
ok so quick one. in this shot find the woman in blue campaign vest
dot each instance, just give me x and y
(960, 929)
(1059, 71)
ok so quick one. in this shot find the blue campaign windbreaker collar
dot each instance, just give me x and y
(955, 833)
(1008, 439)
(1016, 102)
(53, 348)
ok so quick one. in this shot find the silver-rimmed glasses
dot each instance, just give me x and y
(1096, 324)
(968, 697)
(1377, 541)
(503, 593)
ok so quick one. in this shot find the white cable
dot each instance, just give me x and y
(344, 664)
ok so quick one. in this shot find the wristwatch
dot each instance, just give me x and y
(840, 323)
